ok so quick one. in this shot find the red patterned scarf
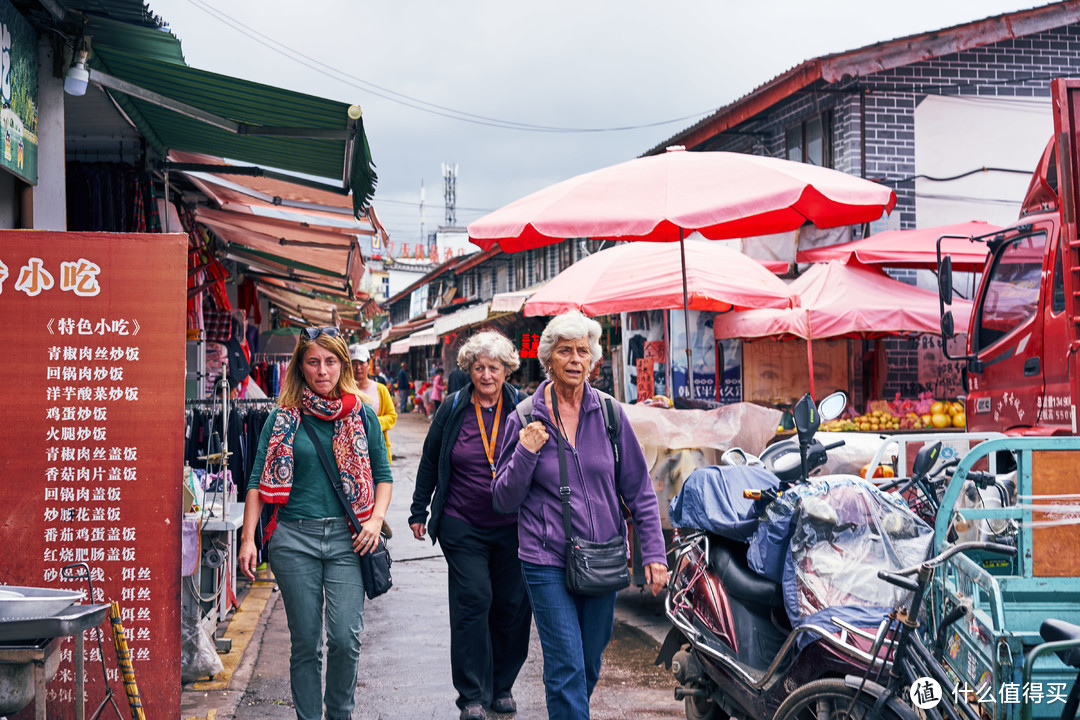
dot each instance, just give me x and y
(350, 452)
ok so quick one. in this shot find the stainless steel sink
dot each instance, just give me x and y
(29, 645)
(20, 603)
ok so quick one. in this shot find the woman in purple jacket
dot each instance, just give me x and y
(573, 629)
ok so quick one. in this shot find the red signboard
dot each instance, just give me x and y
(92, 447)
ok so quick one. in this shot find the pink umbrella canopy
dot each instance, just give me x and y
(665, 197)
(838, 300)
(843, 300)
(912, 248)
(648, 276)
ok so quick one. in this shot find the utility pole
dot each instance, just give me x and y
(449, 175)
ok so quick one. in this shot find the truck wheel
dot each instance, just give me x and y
(830, 699)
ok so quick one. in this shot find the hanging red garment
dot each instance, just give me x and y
(248, 300)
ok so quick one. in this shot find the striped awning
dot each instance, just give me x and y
(423, 338)
(512, 302)
(400, 347)
(462, 318)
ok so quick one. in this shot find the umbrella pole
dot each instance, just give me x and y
(810, 353)
(686, 321)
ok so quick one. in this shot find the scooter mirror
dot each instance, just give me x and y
(807, 420)
(925, 459)
(734, 456)
(832, 405)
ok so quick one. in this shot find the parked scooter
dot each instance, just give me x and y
(732, 648)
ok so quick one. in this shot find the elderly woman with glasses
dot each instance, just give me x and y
(569, 422)
(489, 611)
(312, 546)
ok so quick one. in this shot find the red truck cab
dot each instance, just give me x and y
(1021, 365)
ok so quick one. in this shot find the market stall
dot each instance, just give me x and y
(836, 302)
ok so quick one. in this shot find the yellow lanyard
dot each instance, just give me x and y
(489, 447)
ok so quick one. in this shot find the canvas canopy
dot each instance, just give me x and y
(844, 300)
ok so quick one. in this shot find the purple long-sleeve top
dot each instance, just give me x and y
(529, 483)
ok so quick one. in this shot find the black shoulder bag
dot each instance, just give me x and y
(592, 568)
(374, 565)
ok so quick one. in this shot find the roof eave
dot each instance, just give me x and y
(750, 105)
(876, 58)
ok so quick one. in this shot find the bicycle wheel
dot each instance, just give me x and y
(830, 699)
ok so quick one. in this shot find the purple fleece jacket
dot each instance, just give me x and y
(529, 483)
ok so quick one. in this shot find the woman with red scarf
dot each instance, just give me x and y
(312, 547)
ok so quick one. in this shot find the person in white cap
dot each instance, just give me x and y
(374, 393)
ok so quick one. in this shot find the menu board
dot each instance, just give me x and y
(92, 447)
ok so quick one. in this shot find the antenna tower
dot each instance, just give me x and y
(449, 176)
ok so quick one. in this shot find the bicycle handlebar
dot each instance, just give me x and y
(897, 580)
(958, 548)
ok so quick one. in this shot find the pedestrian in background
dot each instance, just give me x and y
(574, 629)
(374, 393)
(438, 388)
(489, 608)
(313, 549)
(378, 376)
(403, 389)
(457, 380)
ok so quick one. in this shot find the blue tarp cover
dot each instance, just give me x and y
(712, 499)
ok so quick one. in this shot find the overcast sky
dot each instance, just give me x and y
(418, 67)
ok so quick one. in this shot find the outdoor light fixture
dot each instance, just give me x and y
(78, 76)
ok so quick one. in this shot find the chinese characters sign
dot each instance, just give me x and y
(529, 343)
(92, 455)
(19, 93)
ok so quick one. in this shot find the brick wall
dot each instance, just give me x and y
(1011, 68)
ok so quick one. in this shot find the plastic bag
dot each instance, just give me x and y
(843, 532)
(198, 656)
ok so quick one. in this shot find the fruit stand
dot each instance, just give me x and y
(898, 415)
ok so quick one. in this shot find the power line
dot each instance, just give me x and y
(909, 178)
(407, 100)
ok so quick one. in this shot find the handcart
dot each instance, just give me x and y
(986, 611)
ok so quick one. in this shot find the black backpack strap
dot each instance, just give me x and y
(611, 422)
(524, 410)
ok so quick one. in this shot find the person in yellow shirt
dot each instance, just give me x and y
(374, 393)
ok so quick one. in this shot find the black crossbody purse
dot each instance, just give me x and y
(592, 568)
(374, 565)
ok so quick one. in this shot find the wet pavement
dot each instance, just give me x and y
(405, 660)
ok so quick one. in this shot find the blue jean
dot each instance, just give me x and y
(313, 560)
(573, 630)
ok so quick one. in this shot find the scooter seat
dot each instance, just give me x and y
(728, 562)
(1059, 630)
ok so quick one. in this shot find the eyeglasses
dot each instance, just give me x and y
(312, 333)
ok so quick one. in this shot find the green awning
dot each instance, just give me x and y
(174, 106)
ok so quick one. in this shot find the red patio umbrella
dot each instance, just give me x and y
(665, 197)
(648, 276)
(912, 248)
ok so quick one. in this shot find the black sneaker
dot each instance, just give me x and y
(473, 711)
(503, 705)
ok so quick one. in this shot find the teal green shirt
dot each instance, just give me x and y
(312, 495)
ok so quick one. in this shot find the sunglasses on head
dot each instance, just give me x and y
(312, 333)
